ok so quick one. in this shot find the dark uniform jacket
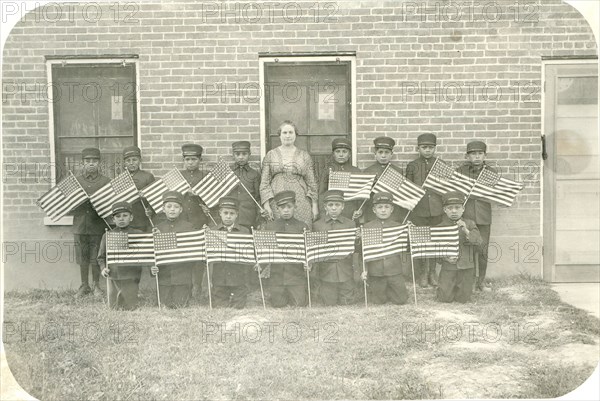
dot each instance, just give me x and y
(479, 211)
(390, 265)
(192, 212)
(140, 221)
(287, 273)
(85, 219)
(466, 258)
(230, 274)
(338, 271)
(119, 272)
(350, 207)
(431, 204)
(248, 210)
(399, 212)
(175, 273)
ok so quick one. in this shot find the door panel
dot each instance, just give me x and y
(571, 174)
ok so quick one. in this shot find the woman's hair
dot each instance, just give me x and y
(287, 122)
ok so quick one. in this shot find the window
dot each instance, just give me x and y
(93, 104)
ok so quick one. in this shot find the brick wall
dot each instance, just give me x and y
(412, 59)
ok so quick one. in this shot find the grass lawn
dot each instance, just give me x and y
(517, 341)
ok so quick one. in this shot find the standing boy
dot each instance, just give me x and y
(88, 227)
(428, 211)
(457, 274)
(132, 157)
(287, 280)
(336, 277)
(175, 279)
(123, 281)
(386, 282)
(479, 211)
(341, 149)
(384, 151)
(230, 279)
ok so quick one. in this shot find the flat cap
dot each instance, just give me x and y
(453, 198)
(284, 197)
(93, 153)
(383, 197)
(191, 149)
(229, 202)
(121, 207)
(172, 196)
(476, 146)
(384, 142)
(131, 151)
(333, 195)
(341, 143)
(241, 146)
(427, 139)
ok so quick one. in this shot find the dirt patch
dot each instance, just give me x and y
(455, 316)
(514, 293)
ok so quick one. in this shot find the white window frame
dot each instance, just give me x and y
(306, 59)
(68, 220)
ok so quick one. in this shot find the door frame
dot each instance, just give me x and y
(262, 60)
(547, 194)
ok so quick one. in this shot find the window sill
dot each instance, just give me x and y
(64, 221)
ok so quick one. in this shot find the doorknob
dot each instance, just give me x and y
(544, 153)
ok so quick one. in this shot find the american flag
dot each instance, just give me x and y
(64, 197)
(442, 178)
(490, 186)
(329, 245)
(381, 242)
(129, 249)
(217, 183)
(119, 189)
(355, 186)
(272, 247)
(433, 242)
(172, 181)
(179, 247)
(406, 194)
(223, 246)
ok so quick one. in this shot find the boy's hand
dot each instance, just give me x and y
(358, 232)
(154, 270)
(410, 223)
(364, 275)
(357, 213)
(105, 272)
(205, 209)
(315, 211)
(266, 272)
(265, 214)
(451, 259)
(155, 230)
(257, 267)
(269, 211)
(307, 267)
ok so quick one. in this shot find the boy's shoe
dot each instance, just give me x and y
(431, 278)
(83, 290)
(98, 291)
(483, 287)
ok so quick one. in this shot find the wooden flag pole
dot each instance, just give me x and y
(374, 182)
(362, 247)
(412, 266)
(307, 271)
(207, 271)
(262, 292)
(473, 187)
(146, 209)
(254, 199)
(156, 275)
(106, 244)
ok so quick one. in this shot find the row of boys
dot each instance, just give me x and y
(88, 227)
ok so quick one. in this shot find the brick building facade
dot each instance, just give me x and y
(460, 70)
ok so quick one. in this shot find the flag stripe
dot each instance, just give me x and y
(140, 250)
(288, 248)
(358, 185)
(54, 202)
(394, 241)
(340, 244)
(154, 192)
(443, 242)
(237, 248)
(103, 199)
(191, 247)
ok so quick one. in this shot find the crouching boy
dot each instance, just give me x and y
(123, 281)
(457, 274)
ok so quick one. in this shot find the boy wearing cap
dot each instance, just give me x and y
(123, 281)
(132, 157)
(287, 280)
(336, 277)
(384, 151)
(479, 211)
(428, 211)
(457, 275)
(175, 279)
(248, 210)
(386, 282)
(194, 210)
(230, 279)
(88, 227)
(341, 149)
